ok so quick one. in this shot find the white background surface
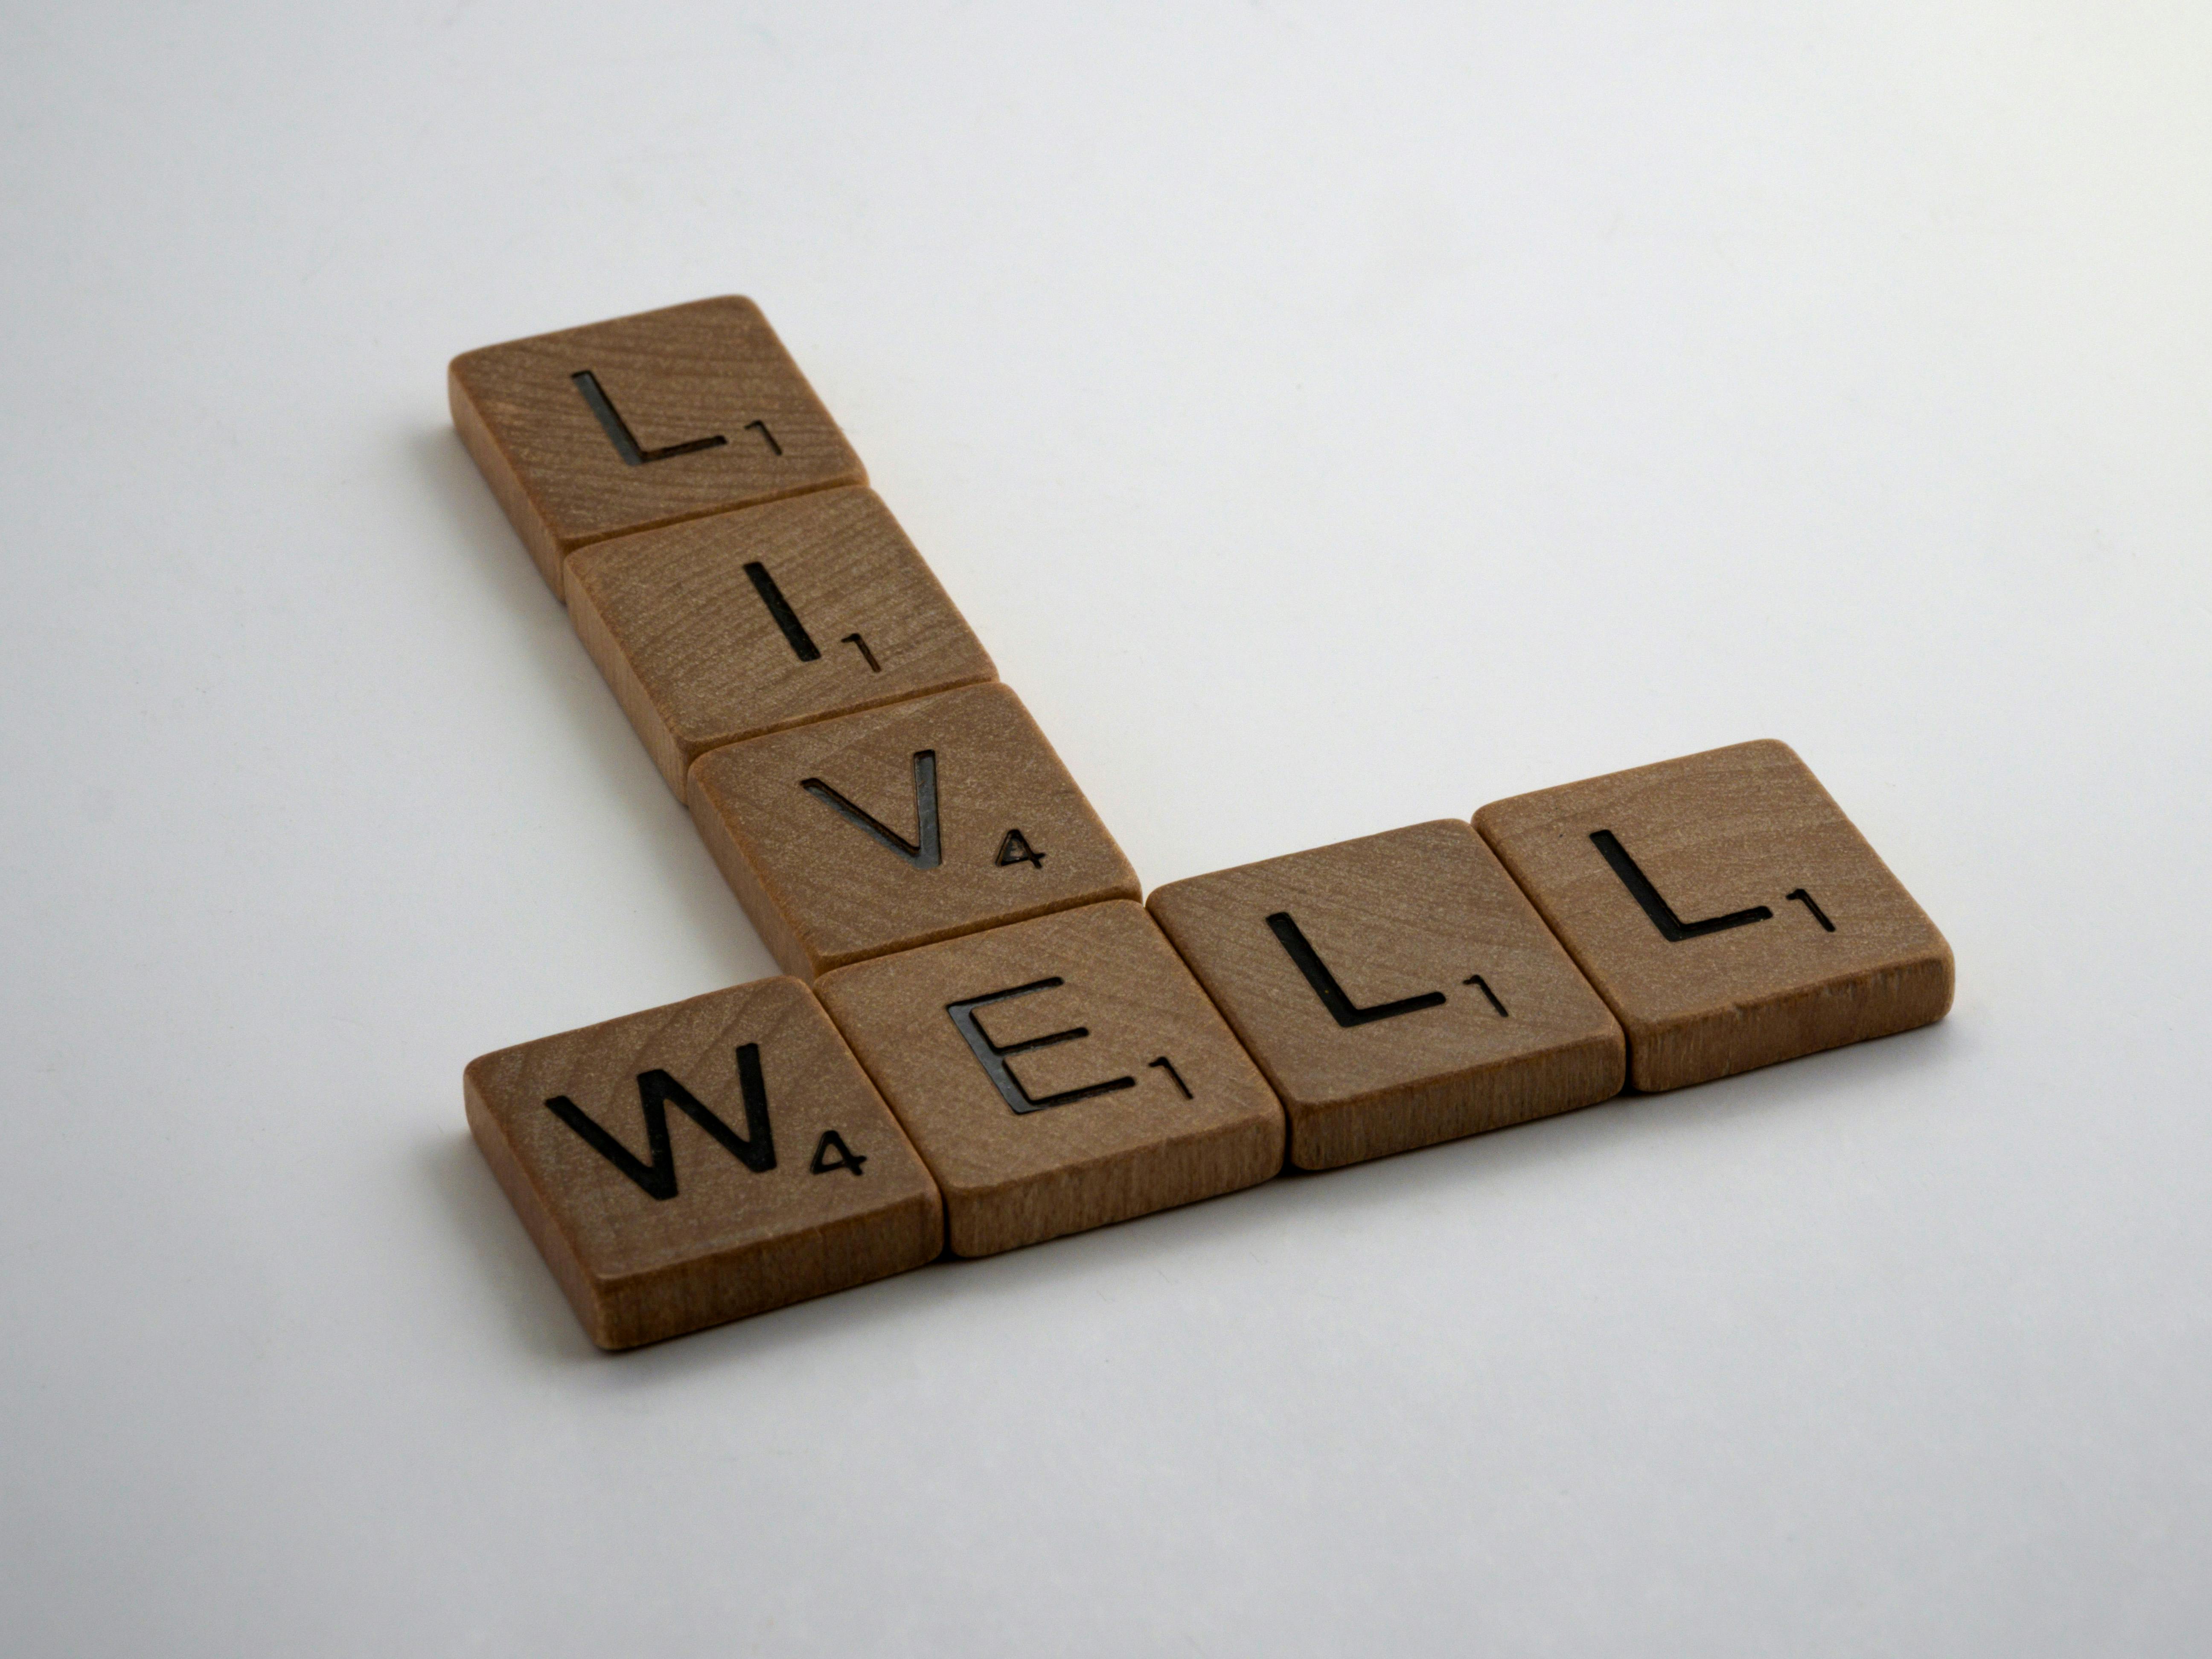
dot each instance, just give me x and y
(1329, 420)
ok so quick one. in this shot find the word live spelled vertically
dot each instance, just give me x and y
(1000, 1045)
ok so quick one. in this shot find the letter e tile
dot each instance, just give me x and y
(1059, 1074)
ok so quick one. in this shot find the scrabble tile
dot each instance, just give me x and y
(1397, 991)
(1726, 909)
(701, 1162)
(726, 628)
(876, 832)
(1059, 1074)
(621, 426)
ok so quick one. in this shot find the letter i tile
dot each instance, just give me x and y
(727, 627)
(698, 1163)
(1059, 1074)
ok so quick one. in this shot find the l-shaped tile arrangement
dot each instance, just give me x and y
(985, 1040)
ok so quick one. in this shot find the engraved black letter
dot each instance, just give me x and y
(929, 853)
(992, 1058)
(617, 429)
(1671, 927)
(1330, 992)
(794, 631)
(656, 1092)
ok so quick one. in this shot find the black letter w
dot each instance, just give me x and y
(656, 1092)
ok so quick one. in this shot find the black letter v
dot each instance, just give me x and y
(929, 853)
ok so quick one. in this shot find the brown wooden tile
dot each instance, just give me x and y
(620, 426)
(701, 1162)
(1397, 991)
(1726, 909)
(876, 832)
(726, 628)
(1059, 1074)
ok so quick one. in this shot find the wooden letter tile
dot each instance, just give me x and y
(1397, 991)
(620, 426)
(701, 1162)
(726, 628)
(876, 832)
(1059, 1074)
(1727, 910)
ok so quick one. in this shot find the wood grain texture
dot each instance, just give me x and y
(1704, 986)
(727, 1240)
(825, 890)
(674, 378)
(684, 622)
(1110, 997)
(1393, 921)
